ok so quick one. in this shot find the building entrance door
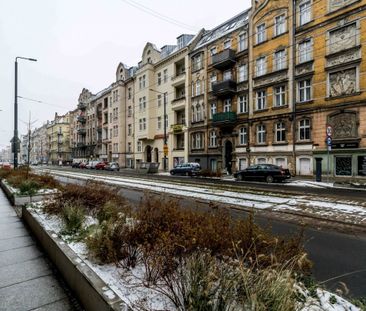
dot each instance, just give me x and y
(228, 156)
(148, 154)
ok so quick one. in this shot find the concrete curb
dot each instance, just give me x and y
(19, 200)
(93, 293)
(88, 287)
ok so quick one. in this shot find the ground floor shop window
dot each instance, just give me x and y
(178, 160)
(242, 164)
(281, 162)
(213, 165)
(362, 165)
(343, 166)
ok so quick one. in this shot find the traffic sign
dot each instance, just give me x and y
(165, 149)
(329, 141)
(329, 131)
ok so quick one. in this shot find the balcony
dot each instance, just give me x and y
(81, 119)
(82, 131)
(179, 78)
(82, 106)
(224, 59)
(224, 88)
(180, 101)
(224, 118)
(81, 145)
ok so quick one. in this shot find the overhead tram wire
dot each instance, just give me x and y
(159, 15)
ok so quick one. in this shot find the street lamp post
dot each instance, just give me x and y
(15, 140)
(165, 148)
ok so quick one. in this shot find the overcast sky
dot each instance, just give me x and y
(79, 43)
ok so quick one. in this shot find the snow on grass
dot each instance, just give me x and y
(299, 204)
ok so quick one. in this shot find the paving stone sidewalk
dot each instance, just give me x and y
(27, 281)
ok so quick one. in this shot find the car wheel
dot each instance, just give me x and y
(269, 179)
(187, 173)
(172, 173)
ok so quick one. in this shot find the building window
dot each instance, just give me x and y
(243, 103)
(243, 136)
(213, 139)
(198, 113)
(165, 75)
(227, 105)
(159, 100)
(140, 83)
(193, 114)
(213, 80)
(305, 51)
(129, 111)
(304, 90)
(243, 73)
(139, 146)
(129, 93)
(227, 44)
(261, 100)
(261, 33)
(159, 123)
(213, 109)
(343, 166)
(213, 51)
(242, 42)
(304, 130)
(261, 134)
(279, 96)
(304, 12)
(227, 75)
(129, 132)
(243, 164)
(260, 66)
(280, 60)
(129, 147)
(197, 62)
(280, 24)
(280, 132)
(159, 78)
(197, 141)
(198, 87)
(143, 81)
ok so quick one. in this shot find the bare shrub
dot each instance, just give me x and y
(91, 197)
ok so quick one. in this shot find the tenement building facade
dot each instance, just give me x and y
(282, 83)
(219, 94)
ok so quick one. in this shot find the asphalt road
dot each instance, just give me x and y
(337, 257)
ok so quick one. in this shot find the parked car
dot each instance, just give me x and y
(82, 165)
(92, 164)
(76, 164)
(187, 169)
(101, 165)
(267, 172)
(112, 166)
(7, 166)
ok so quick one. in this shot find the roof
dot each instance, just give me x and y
(225, 28)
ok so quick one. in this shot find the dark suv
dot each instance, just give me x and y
(187, 169)
(267, 172)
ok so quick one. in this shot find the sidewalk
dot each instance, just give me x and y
(26, 279)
